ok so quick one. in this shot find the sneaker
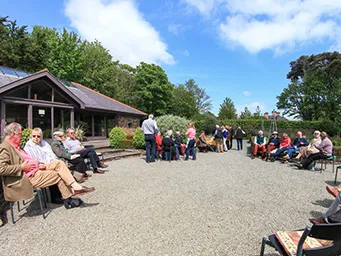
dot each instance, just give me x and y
(333, 191)
(252, 157)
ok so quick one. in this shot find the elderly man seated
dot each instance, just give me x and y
(62, 153)
(259, 144)
(283, 146)
(325, 150)
(20, 172)
(75, 147)
(299, 142)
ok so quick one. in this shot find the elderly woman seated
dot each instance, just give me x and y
(202, 142)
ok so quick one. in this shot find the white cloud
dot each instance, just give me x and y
(175, 28)
(278, 25)
(246, 93)
(121, 28)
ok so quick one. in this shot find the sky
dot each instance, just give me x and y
(239, 49)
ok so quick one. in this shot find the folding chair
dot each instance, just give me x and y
(318, 240)
(42, 197)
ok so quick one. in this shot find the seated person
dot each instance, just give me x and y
(274, 142)
(202, 142)
(167, 144)
(21, 172)
(259, 144)
(333, 214)
(283, 146)
(178, 141)
(61, 152)
(75, 147)
(310, 149)
(325, 150)
(299, 142)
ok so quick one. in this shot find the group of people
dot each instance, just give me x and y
(300, 151)
(40, 165)
(156, 144)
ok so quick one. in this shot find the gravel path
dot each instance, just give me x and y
(221, 204)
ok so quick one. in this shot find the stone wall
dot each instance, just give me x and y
(130, 122)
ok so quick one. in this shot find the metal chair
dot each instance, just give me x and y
(328, 160)
(42, 197)
(307, 242)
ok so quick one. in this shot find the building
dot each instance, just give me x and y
(42, 100)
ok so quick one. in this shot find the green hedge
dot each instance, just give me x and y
(116, 136)
(127, 144)
(251, 127)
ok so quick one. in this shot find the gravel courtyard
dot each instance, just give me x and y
(221, 204)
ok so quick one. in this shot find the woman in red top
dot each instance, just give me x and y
(283, 146)
(158, 145)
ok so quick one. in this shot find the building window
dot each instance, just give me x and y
(41, 91)
(16, 113)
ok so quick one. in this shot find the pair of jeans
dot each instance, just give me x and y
(240, 144)
(177, 153)
(90, 153)
(150, 147)
(190, 148)
(278, 152)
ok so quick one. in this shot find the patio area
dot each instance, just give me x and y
(221, 204)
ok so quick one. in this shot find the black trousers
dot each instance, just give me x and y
(306, 162)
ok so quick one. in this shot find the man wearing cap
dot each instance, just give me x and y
(150, 129)
(274, 142)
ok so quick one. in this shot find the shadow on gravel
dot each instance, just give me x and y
(324, 203)
(331, 183)
(316, 214)
(88, 205)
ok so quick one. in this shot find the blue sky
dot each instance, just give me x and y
(233, 48)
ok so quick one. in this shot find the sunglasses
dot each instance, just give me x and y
(36, 136)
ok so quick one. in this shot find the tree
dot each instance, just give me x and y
(227, 110)
(257, 112)
(203, 102)
(184, 103)
(154, 91)
(15, 50)
(246, 114)
(315, 87)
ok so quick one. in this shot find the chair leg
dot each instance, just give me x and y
(11, 210)
(263, 246)
(336, 171)
(18, 204)
(40, 202)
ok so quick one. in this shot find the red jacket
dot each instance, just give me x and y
(286, 142)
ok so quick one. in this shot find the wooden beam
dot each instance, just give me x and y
(3, 117)
(30, 116)
(72, 118)
(93, 125)
(52, 120)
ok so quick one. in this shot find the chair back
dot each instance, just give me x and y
(326, 232)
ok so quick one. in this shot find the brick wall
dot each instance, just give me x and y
(128, 121)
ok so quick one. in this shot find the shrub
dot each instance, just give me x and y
(139, 139)
(127, 144)
(175, 123)
(116, 136)
(25, 136)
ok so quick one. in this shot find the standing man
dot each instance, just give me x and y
(149, 129)
(230, 136)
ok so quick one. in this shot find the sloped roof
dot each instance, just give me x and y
(89, 98)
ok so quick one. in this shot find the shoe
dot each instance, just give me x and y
(286, 162)
(194, 159)
(298, 165)
(333, 191)
(83, 191)
(252, 157)
(286, 157)
(87, 175)
(317, 221)
(98, 171)
(102, 165)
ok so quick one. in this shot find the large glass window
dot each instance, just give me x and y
(16, 113)
(42, 118)
(41, 91)
(99, 126)
(85, 120)
(20, 93)
(59, 98)
(61, 118)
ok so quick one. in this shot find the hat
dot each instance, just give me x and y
(58, 133)
(274, 132)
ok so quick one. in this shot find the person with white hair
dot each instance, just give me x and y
(150, 129)
(259, 144)
(325, 150)
(167, 144)
(310, 149)
(21, 173)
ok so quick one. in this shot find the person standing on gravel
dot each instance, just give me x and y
(149, 128)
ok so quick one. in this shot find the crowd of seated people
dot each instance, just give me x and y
(35, 166)
(300, 151)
